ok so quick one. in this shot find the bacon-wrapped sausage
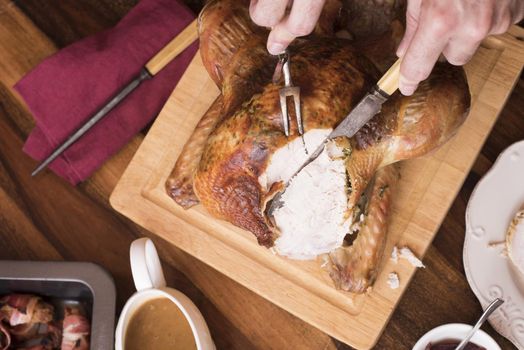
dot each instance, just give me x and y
(75, 330)
(25, 308)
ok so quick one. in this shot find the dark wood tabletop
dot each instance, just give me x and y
(45, 218)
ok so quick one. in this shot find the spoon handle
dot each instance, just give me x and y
(489, 310)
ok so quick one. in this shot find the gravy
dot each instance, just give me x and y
(159, 324)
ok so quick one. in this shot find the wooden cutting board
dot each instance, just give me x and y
(427, 188)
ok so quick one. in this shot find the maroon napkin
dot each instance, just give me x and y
(67, 88)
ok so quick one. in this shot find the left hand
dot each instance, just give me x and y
(300, 21)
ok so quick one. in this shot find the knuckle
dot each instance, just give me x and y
(413, 73)
(260, 18)
(411, 19)
(477, 32)
(412, 23)
(479, 29)
(442, 24)
(421, 74)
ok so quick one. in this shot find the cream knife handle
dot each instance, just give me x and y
(173, 48)
(389, 81)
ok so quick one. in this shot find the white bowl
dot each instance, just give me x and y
(456, 331)
(150, 283)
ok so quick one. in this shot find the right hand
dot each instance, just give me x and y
(454, 28)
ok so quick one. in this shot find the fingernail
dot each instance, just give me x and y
(406, 87)
(276, 48)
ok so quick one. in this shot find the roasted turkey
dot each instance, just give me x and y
(335, 210)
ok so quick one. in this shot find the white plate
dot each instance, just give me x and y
(455, 331)
(494, 202)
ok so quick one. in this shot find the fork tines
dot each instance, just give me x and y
(289, 91)
(294, 92)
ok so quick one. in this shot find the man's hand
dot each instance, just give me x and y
(454, 28)
(286, 24)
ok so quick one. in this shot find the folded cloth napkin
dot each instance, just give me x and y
(70, 86)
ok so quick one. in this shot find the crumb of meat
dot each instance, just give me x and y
(515, 241)
(496, 244)
(406, 253)
(394, 254)
(393, 280)
(501, 245)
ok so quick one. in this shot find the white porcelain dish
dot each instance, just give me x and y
(150, 284)
(455, 331)
(494, 202)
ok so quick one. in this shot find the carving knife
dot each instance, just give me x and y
(152, 67)
(366, 109)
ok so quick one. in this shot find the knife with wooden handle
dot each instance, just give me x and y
(366, 109)
(152, 67)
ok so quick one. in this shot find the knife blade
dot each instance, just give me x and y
(366, 109)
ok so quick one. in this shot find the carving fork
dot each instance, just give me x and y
(289, 91)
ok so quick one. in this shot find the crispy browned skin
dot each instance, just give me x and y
(409, 127)
(224, 27)
(217, 22)
(179, 185)
(333, 76)
(354, 267)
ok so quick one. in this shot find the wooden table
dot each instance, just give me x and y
(46, 219)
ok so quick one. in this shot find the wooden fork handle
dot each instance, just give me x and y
(173, 48)
(389, 81)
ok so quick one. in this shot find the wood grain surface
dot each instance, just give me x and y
(46, 219)
(427, 187)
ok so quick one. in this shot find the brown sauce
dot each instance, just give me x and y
(451, 345)
(159, 324)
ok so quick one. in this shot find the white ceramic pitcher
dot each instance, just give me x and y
(150, 284)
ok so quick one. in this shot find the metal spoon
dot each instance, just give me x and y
(489, 310)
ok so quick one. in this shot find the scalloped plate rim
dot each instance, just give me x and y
(485, 181)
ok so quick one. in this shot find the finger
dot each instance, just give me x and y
(267, 13)
(460, 50)
(467, 37)
(303, 17)
(412, 17)
(465, 41)
(502, 19)
(278, 40)
(301, 21)
(430, 39)
(517, 11)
